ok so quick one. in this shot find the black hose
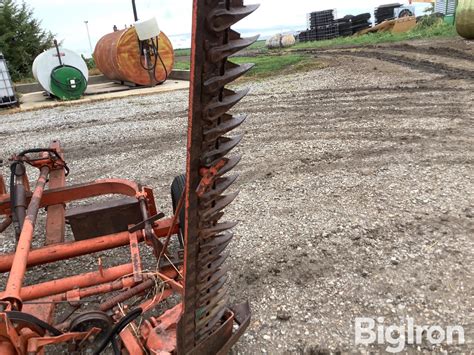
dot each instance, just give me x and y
(115, 347)
(157, 55)
(153, 66)
(16, 222)
(40, 150)
(30, 319)
(156, 52)
(45, 150)
(121, 325)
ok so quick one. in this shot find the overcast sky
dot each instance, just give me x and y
(65, 18)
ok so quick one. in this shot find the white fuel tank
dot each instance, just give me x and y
(44, 64)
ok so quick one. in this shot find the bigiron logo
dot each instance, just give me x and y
(369, 331)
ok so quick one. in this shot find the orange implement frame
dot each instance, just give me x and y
(25, 309)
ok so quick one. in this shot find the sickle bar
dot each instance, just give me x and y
(209, 141)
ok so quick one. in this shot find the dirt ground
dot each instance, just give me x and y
(356, 190)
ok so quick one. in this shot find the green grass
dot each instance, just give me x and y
(258, 46)
(278, 61)
(439, 29)
(181, 65)
(268, 65)
(182, 52)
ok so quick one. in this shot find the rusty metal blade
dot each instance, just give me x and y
(221, 19)
(210, 309)
(224, 127)
(231, 163)
(221, 185)
(226, 144)
(216, 230)
(216, 83)
(207, 205)
(219, 107)
(209, 321)
(218, 287)
(220, 205)
(221, 239)
(216, 54)
(208, 281)
(211, 288)
(211, 221)
(208, 257)
(210, 269)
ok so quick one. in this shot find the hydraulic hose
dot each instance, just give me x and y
(156, 52)
(121, 325)
(16, 316)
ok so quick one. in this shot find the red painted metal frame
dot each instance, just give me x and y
(39, 300)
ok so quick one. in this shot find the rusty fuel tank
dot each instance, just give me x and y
(117, 56)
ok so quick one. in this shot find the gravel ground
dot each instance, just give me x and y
(356, 191)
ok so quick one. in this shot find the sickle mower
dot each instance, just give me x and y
(134, 316)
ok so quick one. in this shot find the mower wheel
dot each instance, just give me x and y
(177, 188)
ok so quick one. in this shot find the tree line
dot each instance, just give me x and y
(21, 37)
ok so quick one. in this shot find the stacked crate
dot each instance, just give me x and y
(360, 22)
(345, 26)
(321, 26)
(385, 12)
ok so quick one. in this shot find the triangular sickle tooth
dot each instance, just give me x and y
(215, 217)
(231, 163)
(220, 205)
(208, 204)
(207, 324)
(209, 257)
(221, 185)
(220, 242)
(212, 303)
(208, 313)
(218, 228)
(217, 108)
(210, 292)
(223, 238)
(225, 146)
(224, 127)
(208, 287)
(211, 286)
(217, 54)
(211, 268)
(213, 85)
(211, 220)
(222, 19)
(216, 245)
(207, 281)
